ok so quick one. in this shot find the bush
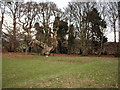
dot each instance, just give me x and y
(117, 54)
(104, 53)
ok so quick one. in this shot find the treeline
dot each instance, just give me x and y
(78, 29)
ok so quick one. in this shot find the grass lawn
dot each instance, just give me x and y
(59, 72)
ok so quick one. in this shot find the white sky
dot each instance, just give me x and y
(61, 3)
(110, 36)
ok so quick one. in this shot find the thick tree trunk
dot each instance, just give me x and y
(101, 44)
(1, 22)
(0, 28)
(119, 31)
(114, 33)
(14, 33)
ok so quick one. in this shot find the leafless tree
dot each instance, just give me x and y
(2, 9)
(12, 30)
(119, 18)
(113, 16)
(47, 11)
(77, 11)
(28, 13)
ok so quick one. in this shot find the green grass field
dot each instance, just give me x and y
(59, 72)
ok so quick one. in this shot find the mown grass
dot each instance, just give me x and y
(59, 72)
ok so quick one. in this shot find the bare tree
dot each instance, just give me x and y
(47, 11)
(77, 12)
(37, 13)
(2, 12)
(2, 9)
(28, 12)
(113, 16)
(12, 30)
(119, 29)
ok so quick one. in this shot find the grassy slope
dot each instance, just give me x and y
(56, 71)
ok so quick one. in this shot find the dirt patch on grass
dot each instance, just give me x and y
(73, 55)
(16, 55)
(71, 61)
(68, 55)
(23, 55)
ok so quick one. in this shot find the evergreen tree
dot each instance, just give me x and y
(71, 39)
(97, 23)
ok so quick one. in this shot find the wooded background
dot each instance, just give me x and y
(78, 29)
